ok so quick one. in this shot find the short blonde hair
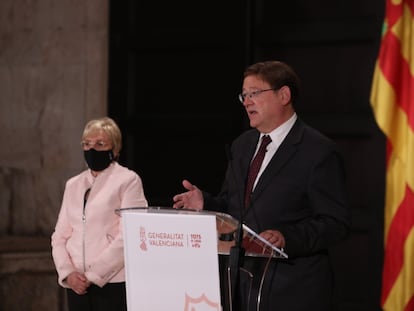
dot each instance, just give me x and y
(110, 128)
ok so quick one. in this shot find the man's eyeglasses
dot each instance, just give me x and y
(251, 95)
(98, 145)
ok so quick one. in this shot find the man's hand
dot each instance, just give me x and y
(192, 199)
(274, 237)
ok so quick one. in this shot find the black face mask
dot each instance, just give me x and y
(98, 160)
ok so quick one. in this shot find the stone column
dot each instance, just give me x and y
(53, 78)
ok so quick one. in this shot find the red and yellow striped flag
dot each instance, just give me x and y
(392, 100)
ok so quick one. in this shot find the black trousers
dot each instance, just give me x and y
(111, 297)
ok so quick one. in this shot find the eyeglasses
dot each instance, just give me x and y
(98, 145)
(251, 95)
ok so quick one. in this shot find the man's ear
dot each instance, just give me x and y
(285, 94)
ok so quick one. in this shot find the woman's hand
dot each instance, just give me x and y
(78, 282)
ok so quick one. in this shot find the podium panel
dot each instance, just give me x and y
(171, 260)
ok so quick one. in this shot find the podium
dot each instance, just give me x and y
(171, 257)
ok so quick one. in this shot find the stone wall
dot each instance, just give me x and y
(53, 78)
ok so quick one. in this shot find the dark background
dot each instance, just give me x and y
(175, 72)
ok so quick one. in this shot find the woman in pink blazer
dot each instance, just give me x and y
(87, 244)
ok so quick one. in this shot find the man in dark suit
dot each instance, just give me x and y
(298, 202)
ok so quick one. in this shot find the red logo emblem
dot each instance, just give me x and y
(201, 303)
(142, 236)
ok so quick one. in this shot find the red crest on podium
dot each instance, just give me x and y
(201, 303)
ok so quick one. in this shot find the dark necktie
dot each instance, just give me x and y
(254, 168)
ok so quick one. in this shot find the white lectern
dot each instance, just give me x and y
(171, 257)
(171, 260)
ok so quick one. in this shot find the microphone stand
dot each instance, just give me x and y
(237, 251)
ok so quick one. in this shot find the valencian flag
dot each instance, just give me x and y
(392, 100)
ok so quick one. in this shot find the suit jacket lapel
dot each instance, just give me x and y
(245, 159)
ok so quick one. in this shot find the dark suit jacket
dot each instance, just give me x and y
(302, 194)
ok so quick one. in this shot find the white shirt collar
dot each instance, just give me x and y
(279, 133)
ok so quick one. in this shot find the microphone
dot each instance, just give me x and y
(233, 176)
